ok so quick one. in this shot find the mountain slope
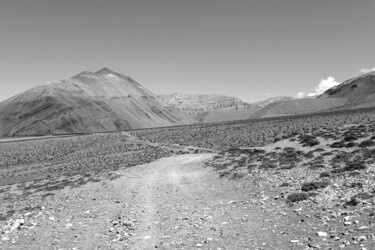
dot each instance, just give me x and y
(297, 106)
(193, 104)
(88, 102)
(358, 91)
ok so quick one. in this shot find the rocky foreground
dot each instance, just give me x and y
(307, 191)
(172, 203)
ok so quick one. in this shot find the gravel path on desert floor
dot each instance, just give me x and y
(172, 203)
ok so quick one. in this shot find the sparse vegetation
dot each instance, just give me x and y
(314, 185)
(260, 132)
(25, 161)
(295, 197)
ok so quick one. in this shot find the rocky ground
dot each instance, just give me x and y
(307, 191)
(172, 203)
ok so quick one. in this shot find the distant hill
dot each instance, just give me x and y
(88, 102)
(193, 104)
(297, 106)
(216, 108)
(278, 99)
(358, 92)
(109, 101)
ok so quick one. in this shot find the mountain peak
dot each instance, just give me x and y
(85, 73)
(105, 71)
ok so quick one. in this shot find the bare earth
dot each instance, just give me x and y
(172, 203)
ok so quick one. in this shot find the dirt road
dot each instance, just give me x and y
(172, 203)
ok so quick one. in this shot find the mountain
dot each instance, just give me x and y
(358, 92)
(88, 102)
(297, 106)
(193, 104)
(262, 104)
(217, 108)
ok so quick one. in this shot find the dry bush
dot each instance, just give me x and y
(295, 197)
(308, 186)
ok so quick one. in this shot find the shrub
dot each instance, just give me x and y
(251, 167)
(277, 139)
(351, 144)
(355, 166)
(338, 171)
(267, 166)
(309, 154)
(352, 202)
(295, 197)
(224, 174)
(285, 184)
(237, 176)
(363, 196)
(319, 150)
(356, 185)
(288, 149)
(339, 144)
(324, 174)
(341, 157)
(308, 186)
(316, 166)
(366, 143)
(367, 154)
(289, 166)
(259, 151)
(350, 138)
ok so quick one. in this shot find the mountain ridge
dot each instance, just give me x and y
(107, 100)
(88, 102)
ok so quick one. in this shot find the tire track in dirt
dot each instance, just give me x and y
(171, 203)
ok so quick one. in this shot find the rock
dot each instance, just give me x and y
(322, 234)
(127, 223)
(362, 238)
(199, 245)
(16, 225)
(362, 228)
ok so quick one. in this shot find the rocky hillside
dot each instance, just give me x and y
(358, 91)
(88, 102)
(193, 104)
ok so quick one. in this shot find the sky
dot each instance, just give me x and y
(251, 49)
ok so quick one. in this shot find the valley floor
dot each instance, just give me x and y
(172, 203)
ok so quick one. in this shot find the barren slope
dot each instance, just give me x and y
(358, 91)
(89, 102)
(193, 104)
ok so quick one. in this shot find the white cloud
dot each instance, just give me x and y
(366, 70)
(326, 84)
(270, 94)
(300, 95)
(321, 88)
